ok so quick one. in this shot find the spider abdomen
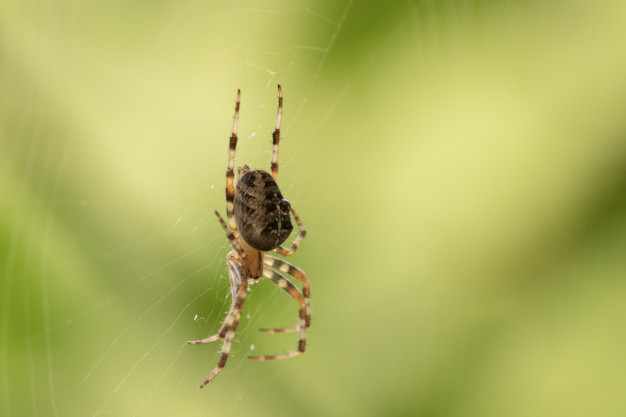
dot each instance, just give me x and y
(261, 213)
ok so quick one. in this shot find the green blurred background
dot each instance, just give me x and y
(460, 167)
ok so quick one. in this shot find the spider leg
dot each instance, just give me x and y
(239, 290)
(286, 252)
(286, 285)
(298, 274)
(236, 306)
(235, 274)
(230, 171)
(293, 291)
(232, 239)
(276, 134)
(228, 342)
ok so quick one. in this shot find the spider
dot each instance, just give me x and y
(259, 220)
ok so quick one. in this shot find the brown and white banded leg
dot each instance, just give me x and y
(292, 290)
(286, 252)
(276, 134)
(232, 239)
(230, 171)
(297, 273)
(239, 290)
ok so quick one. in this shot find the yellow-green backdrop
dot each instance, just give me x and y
(460, 167)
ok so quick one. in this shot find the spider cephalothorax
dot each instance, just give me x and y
(259, 220)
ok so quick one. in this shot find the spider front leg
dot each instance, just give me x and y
(292, 290)
(292, 270)
(239, 290)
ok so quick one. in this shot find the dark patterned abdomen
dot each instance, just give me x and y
(262, 215)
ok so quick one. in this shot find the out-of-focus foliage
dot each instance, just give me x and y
(460, 168)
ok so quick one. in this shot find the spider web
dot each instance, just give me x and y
(459, 167)
(102, 317)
